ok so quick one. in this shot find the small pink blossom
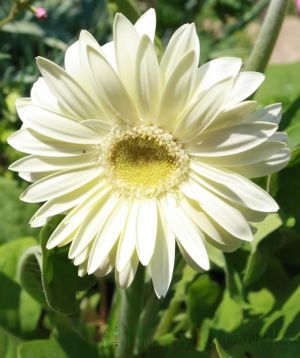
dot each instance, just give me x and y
(297, 3)
(41, 13)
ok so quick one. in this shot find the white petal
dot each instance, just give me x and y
(73, 64)
(253, 155)
(272, 164)
(101, 126)
(187, 234)
(177, 91)
(184, 40)
(162, 262)
(87, 40)
(216, 71)
(60, 183)
(146, 24)
(36, 164)
(42, 96)
(146, 230)
(93, 222)
(33, 177)
(31, 142)
(64, 203)
(229, 141)
(270, 114)
(107, 236)
(147, 80)
(128, 239)
(125, 277)
(246, 84)
(224, 214)
(109, 53)
(83, 256)
(110, 89)
(75, 217)
(74, 99)
(219, 236)
(233, 115)
(234, 188)
(199, 115)
(126, 40)
(189, 259)
(55, 125)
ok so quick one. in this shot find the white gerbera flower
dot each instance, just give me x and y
(140, 154)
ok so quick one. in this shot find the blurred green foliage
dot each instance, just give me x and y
(246, 306)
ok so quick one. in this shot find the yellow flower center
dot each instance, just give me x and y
(145, 161)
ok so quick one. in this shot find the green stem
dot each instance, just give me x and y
(148, 322)
(167, 318)
(131, 304)
(267, 37)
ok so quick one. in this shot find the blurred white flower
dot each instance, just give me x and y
(140, 154)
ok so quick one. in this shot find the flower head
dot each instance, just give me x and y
(140, 155)
(40, 13)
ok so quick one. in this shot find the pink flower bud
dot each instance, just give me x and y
(41, 13)
(297, 3)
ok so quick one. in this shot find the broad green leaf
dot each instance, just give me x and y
(30, 312)
(281, 84)
(271, 223)
(30, 274)
(257, 260)
(203, 297)
(42, 348)
(8, 344)
(174, 348)
(286, 320)
(50, 277)
(266, 348)
(69, 335)
(59, 275)
(288, 196)
(229, 314)
(261, 302)
(10, 254)
(10, 290)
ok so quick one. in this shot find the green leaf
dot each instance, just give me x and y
(69, 335)
(266, 348)
(30, 274)
(271, 223)
(10, 254)
(281, 84)
(10, 290)
(8, 344)
(229, 314)
(42, 348)
(30, 312)
(261, 302)
(14, 213)
(288, 196)
(59, 276)
(284, 322)
(172, 348)
(220, 350)
(257, 260)
(203, 297)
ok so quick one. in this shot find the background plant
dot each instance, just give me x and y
(247, 305)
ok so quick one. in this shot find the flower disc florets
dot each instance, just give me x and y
(144, 161)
